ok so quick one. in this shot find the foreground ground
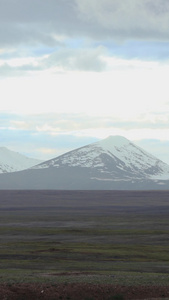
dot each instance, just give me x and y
(80, 292)
(84, 245)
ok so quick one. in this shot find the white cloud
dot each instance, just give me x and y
(76, 68)
(87, 59)
(127, 89)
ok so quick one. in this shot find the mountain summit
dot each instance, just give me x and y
(112, 163)
(113, 158)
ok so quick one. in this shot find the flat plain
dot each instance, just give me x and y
(96, 237)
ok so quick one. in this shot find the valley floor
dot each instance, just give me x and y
(97, 244)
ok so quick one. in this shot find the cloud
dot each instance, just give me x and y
(69, 123)
(10, 71)
(80, 34)
(63, 59)
(103, 62)
(34, 22)
(146, 19)
(43, 22)
(78, 59)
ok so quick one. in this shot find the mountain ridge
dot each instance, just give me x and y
(120, 149)
(11, 161)
(114, 163)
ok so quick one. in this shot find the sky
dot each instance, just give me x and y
(73, 72)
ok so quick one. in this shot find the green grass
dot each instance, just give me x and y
(41, 257)
(80, 231)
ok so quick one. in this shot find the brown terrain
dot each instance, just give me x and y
(80, 292)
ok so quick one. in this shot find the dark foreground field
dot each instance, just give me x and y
(84, 245)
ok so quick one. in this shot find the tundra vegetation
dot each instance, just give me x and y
(111, 237)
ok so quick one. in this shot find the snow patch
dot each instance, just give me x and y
(115, 156)
(11, 161)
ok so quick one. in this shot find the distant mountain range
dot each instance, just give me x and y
(113, 163)
(11, 161)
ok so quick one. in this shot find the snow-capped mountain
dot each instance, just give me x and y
(113, 163)
(11, 161)
(113, 158)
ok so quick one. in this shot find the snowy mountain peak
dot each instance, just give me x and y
(113, 141)
(11, 161)
(114, 163)
(113, 158)
(118, 140)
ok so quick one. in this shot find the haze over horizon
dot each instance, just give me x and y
(74, 72)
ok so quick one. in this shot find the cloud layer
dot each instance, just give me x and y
(75, 71)
(43, 22)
